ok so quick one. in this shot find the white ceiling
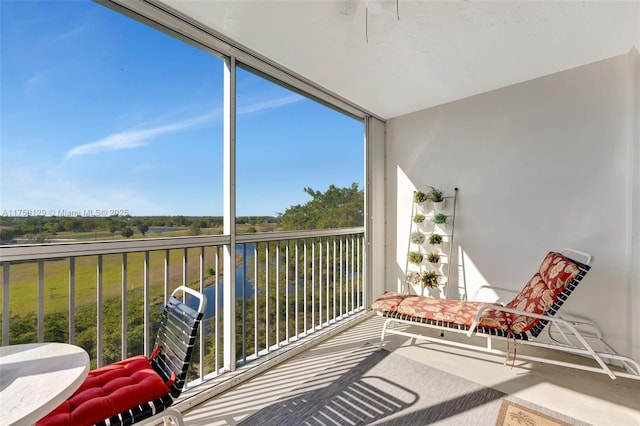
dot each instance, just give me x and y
(436, 52)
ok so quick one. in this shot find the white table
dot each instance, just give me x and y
(36, 378)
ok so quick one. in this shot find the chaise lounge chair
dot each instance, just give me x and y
(522, 319)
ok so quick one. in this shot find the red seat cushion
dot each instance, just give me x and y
(108, 391)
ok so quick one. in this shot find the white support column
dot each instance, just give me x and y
(634, 206)
(375, 241)
(229, 305)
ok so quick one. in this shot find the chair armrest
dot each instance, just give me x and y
(581, 322)
(545, 317)
(496, 290)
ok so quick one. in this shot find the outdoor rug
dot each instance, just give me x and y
(382, 388)
(512, 414)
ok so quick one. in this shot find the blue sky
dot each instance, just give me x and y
(102, 113)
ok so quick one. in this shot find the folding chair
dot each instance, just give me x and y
(138, 389)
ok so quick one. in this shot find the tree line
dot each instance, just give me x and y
(334, 208)
(41, 228)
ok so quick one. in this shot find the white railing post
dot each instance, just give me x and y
(5, 302)
(123, 319)
(99, 310)
(40, 301)
(147, 301)
(72, 300)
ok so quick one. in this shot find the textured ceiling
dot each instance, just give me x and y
(393, 61)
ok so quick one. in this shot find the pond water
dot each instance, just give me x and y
(160, 230)
(210, 291)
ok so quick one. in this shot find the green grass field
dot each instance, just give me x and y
(23, 277)
(23, 290)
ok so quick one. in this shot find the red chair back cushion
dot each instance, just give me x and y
(541, 292)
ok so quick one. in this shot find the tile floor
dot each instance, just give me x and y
(589, 397)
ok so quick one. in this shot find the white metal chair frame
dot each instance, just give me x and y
(169, 415)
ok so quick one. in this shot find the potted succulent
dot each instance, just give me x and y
(420, 197)
(416, 257)
(433, 257)
(435, 239)
(418, 237)
(414, 279)
(430, 279)
(419, 219)
(436, 197)
(440, 220)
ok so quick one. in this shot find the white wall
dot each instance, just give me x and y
(541, 165)
(634, 288)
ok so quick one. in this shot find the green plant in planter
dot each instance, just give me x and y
(430, 279)
(416, 257)
(414, 278)
(435, 239)
(420, 197)
(439, 218)
(419, 218)
(435, 194)
(418, 237)
(433, 257)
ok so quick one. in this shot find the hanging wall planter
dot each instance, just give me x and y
(420, 197)
(436, 197)
(433, 257)
(415, 257)
(440, 221)
(434, 261)
(418, 237)
(435, 239)
(433, 292)
(430, 279)
(414, 279)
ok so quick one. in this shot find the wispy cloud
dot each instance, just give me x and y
(135, 138)
(271, 103)
(130, 139)
(35, 81)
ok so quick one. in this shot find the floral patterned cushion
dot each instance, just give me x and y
(536, 297)
(557, 271)
(388, 302)
(452, 311)
(565, 290)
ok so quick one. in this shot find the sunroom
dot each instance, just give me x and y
(527, 112)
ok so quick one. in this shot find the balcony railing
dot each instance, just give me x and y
(107, 296)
